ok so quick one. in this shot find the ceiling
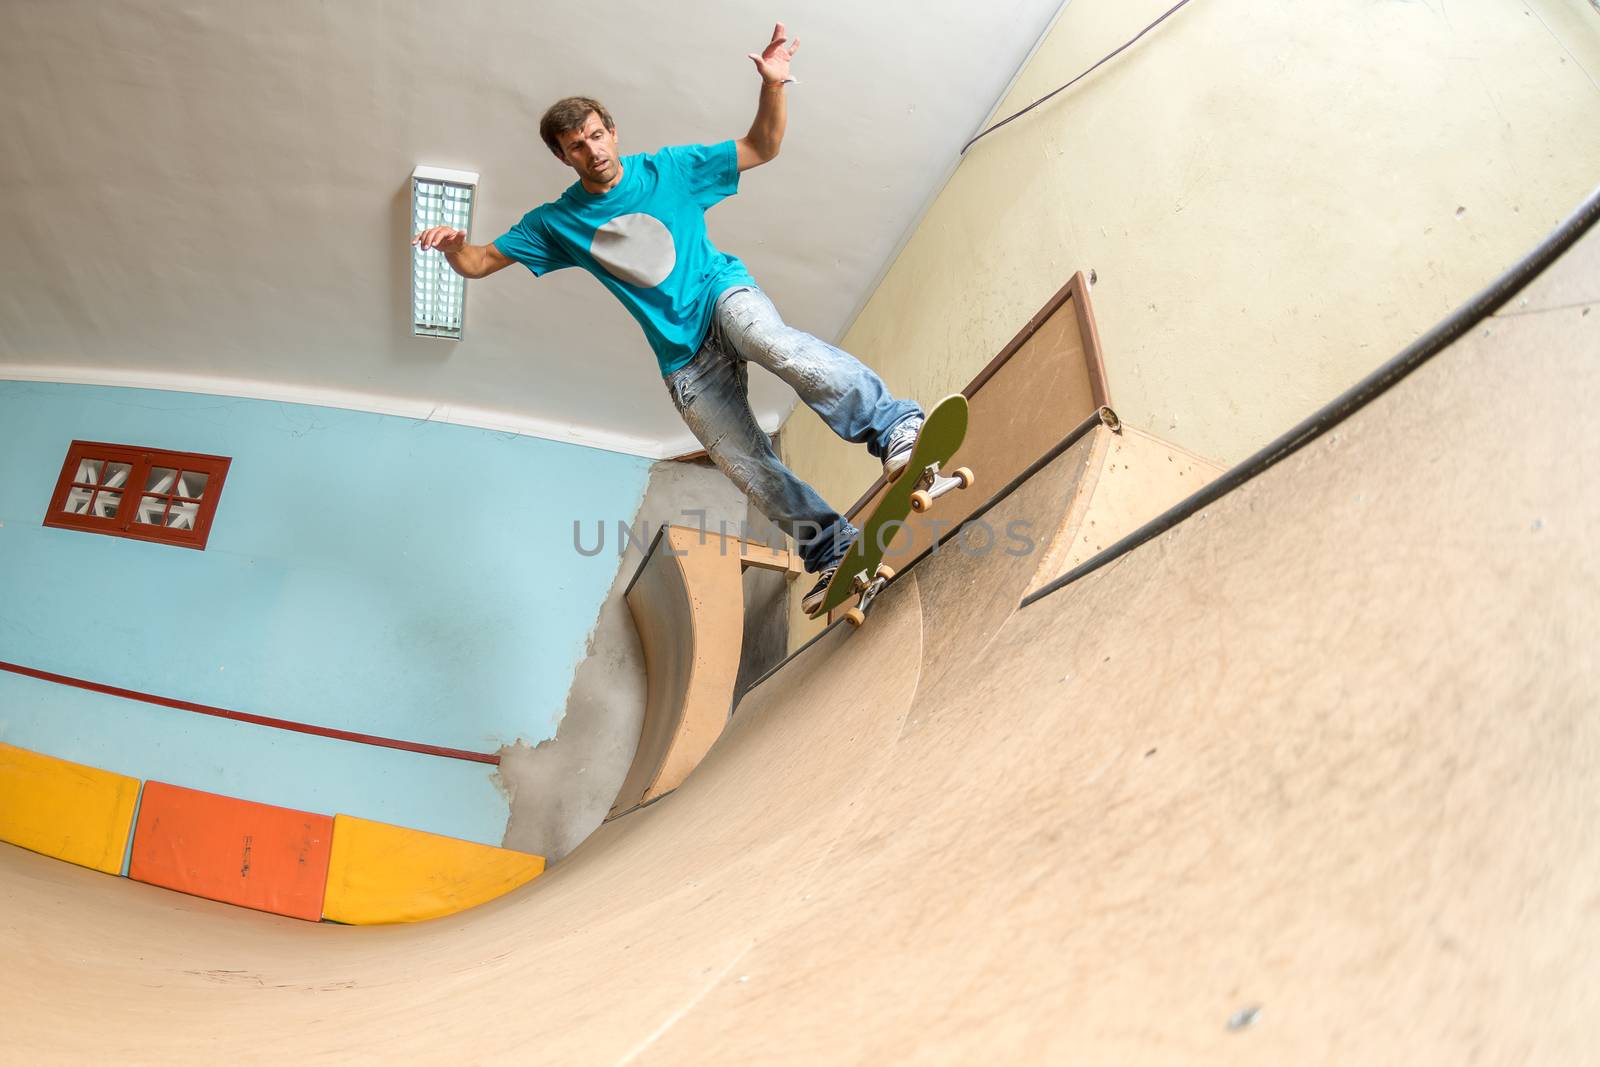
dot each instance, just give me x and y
(214, 196)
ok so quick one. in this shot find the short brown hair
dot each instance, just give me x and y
(570, 114)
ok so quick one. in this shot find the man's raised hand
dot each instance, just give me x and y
(444, 238)
(773, 61)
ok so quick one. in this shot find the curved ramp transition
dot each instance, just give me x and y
(1323, 757)
(687, 603)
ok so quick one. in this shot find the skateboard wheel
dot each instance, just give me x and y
(885, 571)
(855, 617)
(921, 501)
(964, 476)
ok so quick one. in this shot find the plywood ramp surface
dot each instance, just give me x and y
(1326, 753)
(1046, 382)
(687, 603)
(1131, 477)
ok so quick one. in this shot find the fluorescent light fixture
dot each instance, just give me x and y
(439, 197)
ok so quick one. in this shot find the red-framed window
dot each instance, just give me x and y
(144, 493)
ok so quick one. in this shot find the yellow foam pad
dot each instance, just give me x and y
(66, 810)
(388, 874)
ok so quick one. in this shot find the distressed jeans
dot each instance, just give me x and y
(711, 392)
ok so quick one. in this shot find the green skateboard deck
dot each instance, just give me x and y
(918, 485)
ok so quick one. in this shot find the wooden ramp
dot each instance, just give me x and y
(1309, 778)
(687, 603)
(1040, 393)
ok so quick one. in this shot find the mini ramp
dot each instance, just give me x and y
(1309, 776)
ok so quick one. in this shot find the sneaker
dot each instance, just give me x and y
(813, 599)
(897, 451)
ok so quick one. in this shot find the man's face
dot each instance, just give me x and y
(592, 152)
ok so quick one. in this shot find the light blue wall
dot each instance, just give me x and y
(376, 574)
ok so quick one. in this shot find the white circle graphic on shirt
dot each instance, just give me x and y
(637, 249)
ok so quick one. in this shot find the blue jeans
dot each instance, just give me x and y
(711, 392)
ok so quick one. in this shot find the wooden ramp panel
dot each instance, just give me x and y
(687, 603)
(1047, 380)
(1042, 385)
(1130, 477)
(1310, 778)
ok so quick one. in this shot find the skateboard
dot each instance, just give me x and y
(862, 570)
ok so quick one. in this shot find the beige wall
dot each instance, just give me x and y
(1276, 198)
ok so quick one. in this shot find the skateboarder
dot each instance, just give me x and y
(637, 223)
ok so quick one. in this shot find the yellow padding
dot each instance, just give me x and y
(66, 810)
(387, 874)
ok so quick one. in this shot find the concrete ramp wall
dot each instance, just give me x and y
(1309, 778)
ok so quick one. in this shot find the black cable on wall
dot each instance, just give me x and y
(1104, 60)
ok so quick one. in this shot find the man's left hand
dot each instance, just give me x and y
(773, 62)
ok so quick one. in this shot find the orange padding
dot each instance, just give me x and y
(254, 855)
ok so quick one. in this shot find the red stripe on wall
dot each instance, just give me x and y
(257, 720)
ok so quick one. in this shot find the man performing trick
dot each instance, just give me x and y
(637, 223)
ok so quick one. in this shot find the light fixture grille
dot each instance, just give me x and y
(438, 294)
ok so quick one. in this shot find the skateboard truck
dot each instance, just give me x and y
(869, 590)
(931, 486)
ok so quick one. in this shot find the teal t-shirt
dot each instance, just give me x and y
(645, 240)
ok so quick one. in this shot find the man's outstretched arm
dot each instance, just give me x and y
(761, 144)
(469, 261)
